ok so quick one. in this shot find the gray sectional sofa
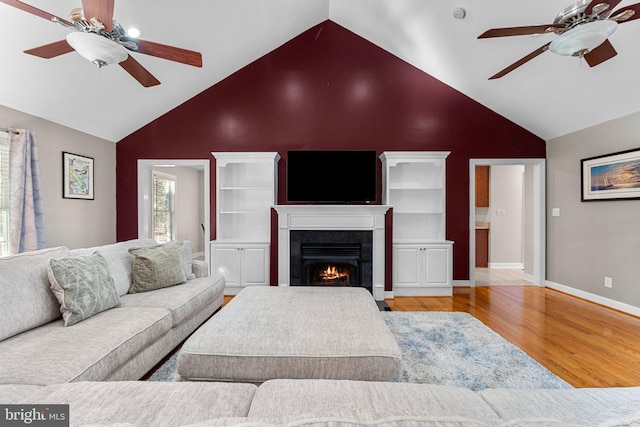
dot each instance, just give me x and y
(328, 403)
(119, 343)
(93, 365)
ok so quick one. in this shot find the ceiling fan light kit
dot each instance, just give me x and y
(98, 50)
(583, 39)
(583, 31)
(99, 38)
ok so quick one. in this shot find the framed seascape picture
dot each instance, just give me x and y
(77, 176)
(612, 176)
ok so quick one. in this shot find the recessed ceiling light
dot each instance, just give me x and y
(134, 32)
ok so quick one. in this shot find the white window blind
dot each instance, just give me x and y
(4, 194)
(163, 215)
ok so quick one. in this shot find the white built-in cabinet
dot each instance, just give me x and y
(413, 183)
(246, 189)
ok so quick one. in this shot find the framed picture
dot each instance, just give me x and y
(612, 176)
(77, 176)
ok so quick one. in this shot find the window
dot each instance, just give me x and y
(163, 214)
(4, 194)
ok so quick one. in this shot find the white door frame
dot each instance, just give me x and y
(539, 217)
(144, 195)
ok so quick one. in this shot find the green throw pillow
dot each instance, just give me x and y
(83, 286)
(156, 267)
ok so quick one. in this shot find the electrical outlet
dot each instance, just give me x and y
(608, 282)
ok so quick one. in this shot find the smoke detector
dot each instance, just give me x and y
(459, 13)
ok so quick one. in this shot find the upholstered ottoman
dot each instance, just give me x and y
(293, 332)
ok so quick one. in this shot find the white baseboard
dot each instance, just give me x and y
(607, 302)
(461, 283)
(517, 265)
(389, 295)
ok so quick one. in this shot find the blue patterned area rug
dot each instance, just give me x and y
(450, 349)
(459, 350)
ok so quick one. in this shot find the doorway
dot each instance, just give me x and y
(535, 210)
(199, 204)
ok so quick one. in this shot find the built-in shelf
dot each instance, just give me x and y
(246, 189)
(414, 184)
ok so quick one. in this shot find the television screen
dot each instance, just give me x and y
(331, 176)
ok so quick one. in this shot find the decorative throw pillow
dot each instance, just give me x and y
(83, 286)
(156, 267)
(187, 260)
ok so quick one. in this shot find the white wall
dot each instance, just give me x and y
(71, 222)
(506, 216)
(591, 240)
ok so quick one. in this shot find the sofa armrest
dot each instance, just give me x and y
(200, 268)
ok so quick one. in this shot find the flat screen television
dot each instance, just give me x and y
(339, 177)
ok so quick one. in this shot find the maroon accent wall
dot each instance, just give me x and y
(328, 89)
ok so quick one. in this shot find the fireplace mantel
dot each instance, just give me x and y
(333, 217)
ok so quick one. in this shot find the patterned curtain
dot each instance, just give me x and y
(27, 230)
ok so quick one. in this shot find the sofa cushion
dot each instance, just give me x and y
(83, 285)
(338, 421)
(582, 406)
(182, 301)
(156, 267)
(118, 258)
(365, 400)
(16, 393)
(91, 350)
(148, 403)
(26, 300)
(186, 255)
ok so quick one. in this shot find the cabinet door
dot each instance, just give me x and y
(255, 266)
(226, 261)
(436, 263)
(482, 186)
(407, 266)
(482, 248)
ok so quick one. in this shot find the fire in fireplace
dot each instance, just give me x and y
(332, 274)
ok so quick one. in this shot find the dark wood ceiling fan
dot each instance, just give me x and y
(95, 24)
(583, 30)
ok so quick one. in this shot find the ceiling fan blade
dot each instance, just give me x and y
(102, 10)
(50, 50)
(520, 31)
(626, 14)
(171, 53)
(600, 6)
(138, 72)
(34, 11)
(522, 61)
(600, 54)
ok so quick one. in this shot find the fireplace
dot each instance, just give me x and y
(331, 258)
(339, 219)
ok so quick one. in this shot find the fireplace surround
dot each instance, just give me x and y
(337, 218)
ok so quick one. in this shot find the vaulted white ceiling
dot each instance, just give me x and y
(549, 96)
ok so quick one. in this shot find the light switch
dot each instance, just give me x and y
(500, 212)
(555, 212)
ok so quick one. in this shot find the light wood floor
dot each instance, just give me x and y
(585, 344)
